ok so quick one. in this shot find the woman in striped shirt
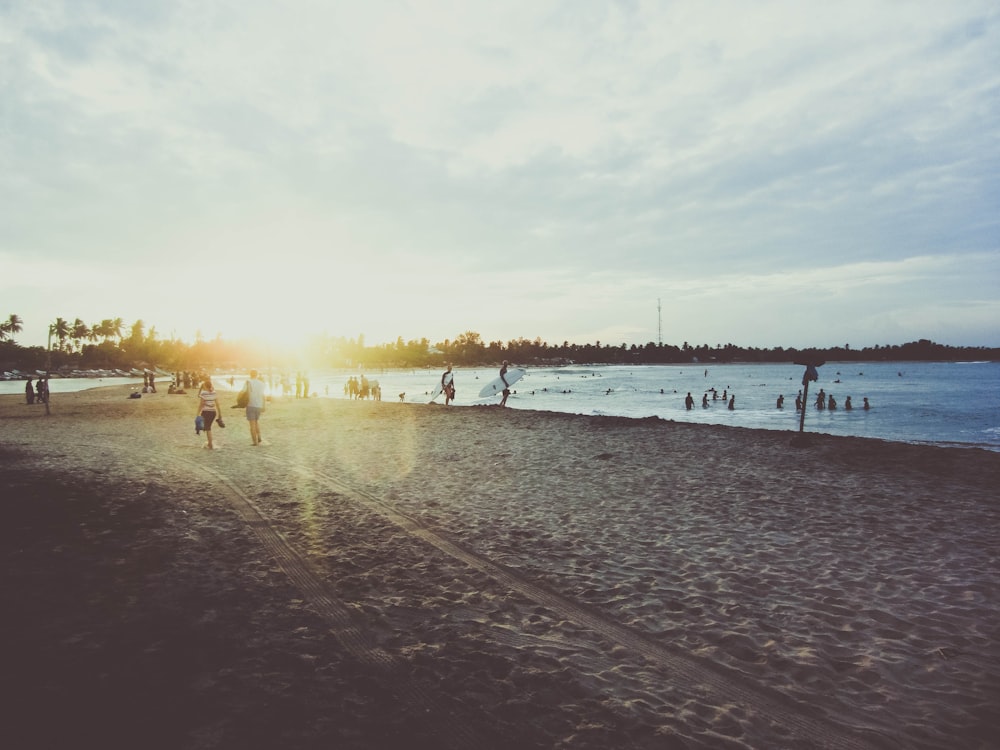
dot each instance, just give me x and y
(208, 407)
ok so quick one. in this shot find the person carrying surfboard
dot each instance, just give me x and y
(506, 385)
(448, 385)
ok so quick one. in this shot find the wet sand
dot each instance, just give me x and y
(386, 575)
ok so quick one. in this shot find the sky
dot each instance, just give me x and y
(764, 174)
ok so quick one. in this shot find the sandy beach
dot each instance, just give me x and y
(387, 575)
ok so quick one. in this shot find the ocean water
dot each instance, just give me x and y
(942, 403)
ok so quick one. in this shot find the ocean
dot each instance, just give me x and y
(940, 403)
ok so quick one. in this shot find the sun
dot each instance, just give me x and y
(287, 307)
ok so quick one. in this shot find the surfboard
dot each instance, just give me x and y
(496, 385)
(439, 388)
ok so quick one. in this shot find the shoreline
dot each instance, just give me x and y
(381, 572)
(929, 408)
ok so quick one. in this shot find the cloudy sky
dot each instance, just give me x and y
(766, 173)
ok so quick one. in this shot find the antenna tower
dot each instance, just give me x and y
(659, 322)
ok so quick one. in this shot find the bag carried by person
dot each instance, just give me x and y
(243, 397)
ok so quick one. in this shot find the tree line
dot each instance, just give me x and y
(110, 344)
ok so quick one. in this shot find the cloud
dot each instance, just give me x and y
(583, 159)
(46, 274)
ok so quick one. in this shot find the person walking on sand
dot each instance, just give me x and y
(448, 385)
(255, 405)
(208, 408)
(29, 392)
(506, 388)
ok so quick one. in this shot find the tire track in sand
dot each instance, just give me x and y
(424, 700)
(712, 682)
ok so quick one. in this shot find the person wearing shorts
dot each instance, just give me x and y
(208, 408)
(255, 405)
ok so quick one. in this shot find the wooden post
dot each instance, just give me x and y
(48, 371)
(805, 400)
(809, 365)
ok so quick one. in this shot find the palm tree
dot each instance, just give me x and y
(61, 330)
(79, 332)
(138, 332)
(117, 325)
(103, 329)
(11, 326)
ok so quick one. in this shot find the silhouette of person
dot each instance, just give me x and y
(847, 404)
(29, 392)
(688, 402)
(781, 401)
(867, 406)
(732, 403)
(448, 385)
(503, 377)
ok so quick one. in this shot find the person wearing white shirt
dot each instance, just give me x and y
(255, 405)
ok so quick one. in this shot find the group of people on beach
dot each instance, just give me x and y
(824, 401)
(39, 392)
(448, 384)
(727, 398)
(362, 388)
(252, 397)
